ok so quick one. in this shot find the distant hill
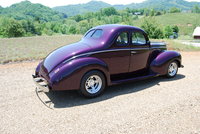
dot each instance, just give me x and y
(94, 6)
(28, 10)
(164, 4)
(91, 6)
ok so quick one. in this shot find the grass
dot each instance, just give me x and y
(32, 48)
(37, 48)
(186, 22)
(177, 45)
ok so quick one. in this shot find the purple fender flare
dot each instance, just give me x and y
(160, 63)
(68, 75)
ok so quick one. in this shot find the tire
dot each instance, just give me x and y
(172, 69)
(92, 84)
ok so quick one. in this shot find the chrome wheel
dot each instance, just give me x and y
(93, 84)
(172, 69)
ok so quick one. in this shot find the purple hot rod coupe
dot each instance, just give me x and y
(106, 55)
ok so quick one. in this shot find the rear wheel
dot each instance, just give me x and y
(92, 84)
(172, 69)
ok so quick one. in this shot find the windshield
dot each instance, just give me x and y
(95, 33)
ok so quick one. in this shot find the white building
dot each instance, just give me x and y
(196, 33)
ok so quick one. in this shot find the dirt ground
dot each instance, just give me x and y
(158, 105)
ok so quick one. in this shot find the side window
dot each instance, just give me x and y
(122, 39)
(138, 38)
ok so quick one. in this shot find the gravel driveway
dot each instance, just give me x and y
(158, 105)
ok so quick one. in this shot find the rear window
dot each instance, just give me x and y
(89, 34)
(94, 34)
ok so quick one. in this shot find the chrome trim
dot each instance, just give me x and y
(158, 47)
(41, 83)
(104, 51)
(133, 52)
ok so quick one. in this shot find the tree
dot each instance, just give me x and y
(146, 12)
(196, 9)
(64, 29)
(12, 28)
(38, 28)
(152, 12)
(175, 29)
(152, 28)
(55, 27)
(109, 11)
(78, 18)
(72, 30)
(174, 10)
(168, 31)
(158, 13)
(29, 27)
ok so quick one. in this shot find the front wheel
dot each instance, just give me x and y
(92, 84)
(172, 69)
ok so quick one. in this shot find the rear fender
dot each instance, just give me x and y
(38, 69)
(160, 63)
(67, 76)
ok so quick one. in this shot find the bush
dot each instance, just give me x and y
(196, 9)
(72, 30)
(152, 29)
(171, 31)
(168, 31)
(175, 29)
(109, 11)
(174, 10)
(11, 28)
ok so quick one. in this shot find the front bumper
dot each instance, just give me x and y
(41, 83)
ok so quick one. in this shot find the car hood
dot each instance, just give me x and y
(61, 54)
(158, 44)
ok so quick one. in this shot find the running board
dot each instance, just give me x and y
(134, 79)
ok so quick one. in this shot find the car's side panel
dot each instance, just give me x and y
(70, 74)
(139, 58)
(160, 63)
(116, 59)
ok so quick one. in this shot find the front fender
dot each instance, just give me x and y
(160, 63)
(67, 76)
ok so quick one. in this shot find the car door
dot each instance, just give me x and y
(118, 57)
(139, 52)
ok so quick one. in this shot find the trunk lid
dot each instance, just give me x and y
(61, 54)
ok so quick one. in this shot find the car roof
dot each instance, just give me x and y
(114, 27)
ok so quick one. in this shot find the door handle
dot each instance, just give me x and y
(133, 52)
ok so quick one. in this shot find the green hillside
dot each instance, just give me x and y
(164, 4)
(27, 11)
(72, 10)
(28, 19)
(94, 6)
(185, 21)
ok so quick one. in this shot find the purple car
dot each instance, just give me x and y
(106, 55)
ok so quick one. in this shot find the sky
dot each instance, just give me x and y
(53, 3)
